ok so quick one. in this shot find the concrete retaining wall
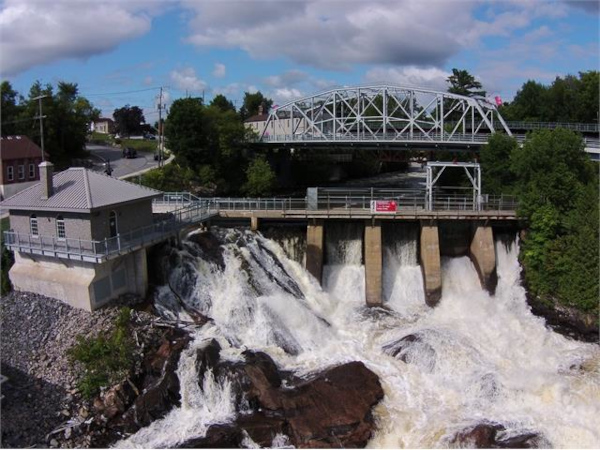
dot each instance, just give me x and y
(82, 285)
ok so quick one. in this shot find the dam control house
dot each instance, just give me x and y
(73, 236)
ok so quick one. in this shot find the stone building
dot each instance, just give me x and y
(81, 236)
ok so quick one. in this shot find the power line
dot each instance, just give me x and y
(123, 92)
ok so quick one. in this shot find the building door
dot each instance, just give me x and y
(112, 223)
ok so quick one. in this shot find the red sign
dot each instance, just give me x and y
(383, 206)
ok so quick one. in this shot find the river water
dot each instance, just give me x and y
(477, 358)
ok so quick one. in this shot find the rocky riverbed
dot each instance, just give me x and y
(40, 394)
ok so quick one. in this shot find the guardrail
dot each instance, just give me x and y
(404, 199)
(419, 137)
(97, 251)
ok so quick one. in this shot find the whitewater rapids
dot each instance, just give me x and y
(483, 358)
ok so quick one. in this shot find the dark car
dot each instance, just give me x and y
(129, 152)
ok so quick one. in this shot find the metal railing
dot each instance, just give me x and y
(433, 137)
(98, 250)
(360, 199)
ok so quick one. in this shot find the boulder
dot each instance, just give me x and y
(217, 436)
(161, 392)
(489, 435)
(412, 349)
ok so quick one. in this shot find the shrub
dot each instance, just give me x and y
(106, 360)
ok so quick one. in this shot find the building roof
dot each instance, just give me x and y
(104, 119)
(18, 147)
(79, 190)
(257, 118)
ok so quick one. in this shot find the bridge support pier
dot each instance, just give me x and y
(373, 263)
(254, 223)
(483, 254)
(314, 249)
(430, 263)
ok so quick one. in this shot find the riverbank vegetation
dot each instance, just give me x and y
(106, 360)
(557, 187)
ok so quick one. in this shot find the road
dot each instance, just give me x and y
(121, 166)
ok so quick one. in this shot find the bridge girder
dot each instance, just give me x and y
(384, 114)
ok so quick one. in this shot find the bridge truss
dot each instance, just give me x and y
(384, 114)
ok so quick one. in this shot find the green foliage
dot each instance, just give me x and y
(221, 102)
(212, 141)
(66, 124)
(261, 178)
(463, 83)
(568, 99)
(106, 360)
(497, 177)
(141, 145)
(252, 102)
(551, 167)
(129, 120)
(171, 178)
(557, 187)
(576, 268)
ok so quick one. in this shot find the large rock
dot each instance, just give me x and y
(161, 386)
(489, 435)
(332, 409)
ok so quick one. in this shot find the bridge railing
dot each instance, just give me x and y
(99, 250)
(377, 137)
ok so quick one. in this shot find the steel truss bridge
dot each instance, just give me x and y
(384, 117)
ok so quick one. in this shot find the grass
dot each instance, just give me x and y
(141, 145)
(101, 138)
(106, 360)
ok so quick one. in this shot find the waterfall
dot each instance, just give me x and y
(473, 358)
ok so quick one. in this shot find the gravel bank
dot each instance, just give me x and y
(35, 334)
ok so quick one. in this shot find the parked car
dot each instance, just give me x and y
(150, 136)
(129, 152)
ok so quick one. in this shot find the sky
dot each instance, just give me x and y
(122, 52)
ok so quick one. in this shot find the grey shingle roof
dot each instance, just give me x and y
(79, 190)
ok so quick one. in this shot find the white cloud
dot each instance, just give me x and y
(220, 71)
(40, 32)
(334, 35)
(432, 78)
(284, 95)
(187, 80)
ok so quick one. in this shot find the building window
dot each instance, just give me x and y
(60, 227)
(21, 172)
(33, 225)
(10, 173)
(31, 170)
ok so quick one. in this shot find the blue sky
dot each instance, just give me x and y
(288, 48)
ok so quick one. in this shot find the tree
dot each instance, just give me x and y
(66, 122)
(129, 120)
(10, 110)
(557, 186)
(186, 132)
(221, 102)
(261, 178)
(463, 83)
(550, 167)
(497, 175)
(252, 102)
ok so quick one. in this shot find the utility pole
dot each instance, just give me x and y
(160, 128)
(41, 117)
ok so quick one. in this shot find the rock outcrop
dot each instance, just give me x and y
(490, 435)
(332, 409)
